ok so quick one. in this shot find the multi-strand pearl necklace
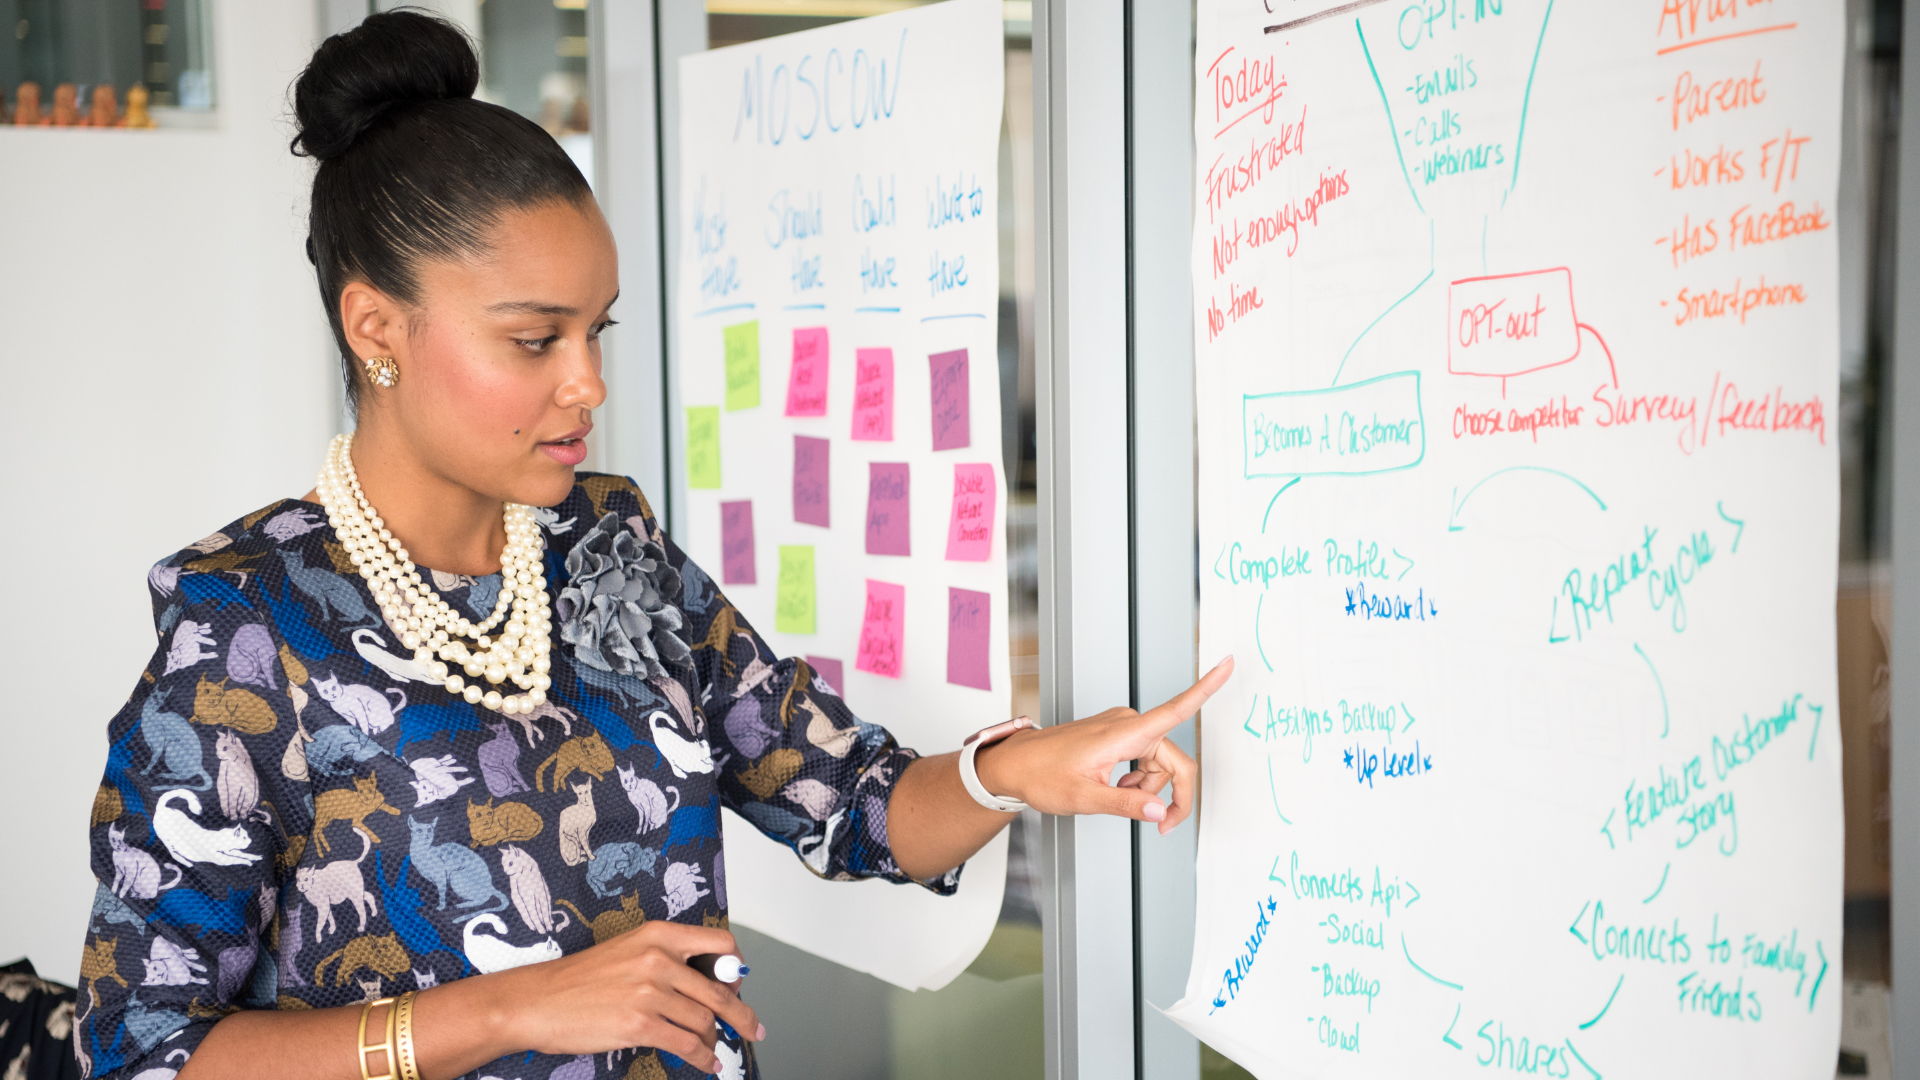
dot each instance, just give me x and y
(426, 623)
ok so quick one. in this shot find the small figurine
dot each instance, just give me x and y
(137, 115)
(26, 109)
(105, 112)
(66, 105)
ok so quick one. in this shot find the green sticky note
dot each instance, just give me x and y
(743, 365)
(793, 604)
(703, 446)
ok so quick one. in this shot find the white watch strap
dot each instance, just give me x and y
(971, 778)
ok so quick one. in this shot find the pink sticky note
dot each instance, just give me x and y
(810, 484)
(736, 543)
(969, 626)
(829, 670)
(887, 508)
(883, 629)
(952, 399)
(873, 395)
(970, 532)
(807, 380)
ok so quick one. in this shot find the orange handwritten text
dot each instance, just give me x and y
(1687, 17)
(1240, 92)
(1696, 101)
(1735, 303)
(1225, 179)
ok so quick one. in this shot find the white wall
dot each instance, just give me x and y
(166, 370)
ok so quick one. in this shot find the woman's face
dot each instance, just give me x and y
(500, 361)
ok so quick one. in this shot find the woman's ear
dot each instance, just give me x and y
(374, 323)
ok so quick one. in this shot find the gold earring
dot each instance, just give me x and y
(382, 371)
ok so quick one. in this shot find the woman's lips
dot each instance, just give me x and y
(570, 452)
(569, 449)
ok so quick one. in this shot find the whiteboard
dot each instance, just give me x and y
(1516, 369)
(839, 369)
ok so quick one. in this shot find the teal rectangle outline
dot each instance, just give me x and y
(1419, 408)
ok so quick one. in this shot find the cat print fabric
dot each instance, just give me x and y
(295, 816)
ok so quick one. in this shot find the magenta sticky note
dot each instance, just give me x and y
(969, 638)
(736, 543)
(970, 530)
(952, 399)
(873, 395)
(830, 670)
(883, 629)
(807, 379)
(810, 483)
(887, 508)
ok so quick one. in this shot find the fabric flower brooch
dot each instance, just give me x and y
(620, 607)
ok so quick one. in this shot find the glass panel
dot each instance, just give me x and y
(989, 1021)
(533, 60)
(1868, 190)
(85, 59)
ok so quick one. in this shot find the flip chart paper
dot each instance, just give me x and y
(873, 395)
(703, 446)
(794, 606)
(970, 532)
(883, 629)
(736, 542)
(1516, 359)
(811, 481)
(951, 398)
(884, 234)
(969, 638)
(887, 508)
(829, 670)
(807, 379)
(743, 365)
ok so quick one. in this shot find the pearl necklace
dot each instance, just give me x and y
(426, 623)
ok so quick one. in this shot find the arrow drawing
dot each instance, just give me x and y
(1403, 558)
(1591, 1071)
(1275, 499)
(1662, 885)
(1574, 927)
(1741, 526)
(1608, 1005)
(1461, 504)
(1424, 971)
(1448, 1037)
(1666, 715)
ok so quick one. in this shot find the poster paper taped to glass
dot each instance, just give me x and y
(1517, 350)
(838, 362)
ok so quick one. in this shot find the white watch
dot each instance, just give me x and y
(971, 777)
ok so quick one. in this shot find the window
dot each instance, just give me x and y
(85, 60)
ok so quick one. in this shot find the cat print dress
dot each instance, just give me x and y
(295, 816)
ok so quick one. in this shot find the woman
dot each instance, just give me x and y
(363, 761)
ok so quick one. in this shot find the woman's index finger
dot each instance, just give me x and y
(1175, 710)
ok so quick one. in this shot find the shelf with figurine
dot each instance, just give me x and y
(26, 109)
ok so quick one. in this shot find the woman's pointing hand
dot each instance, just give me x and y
(1064, 769)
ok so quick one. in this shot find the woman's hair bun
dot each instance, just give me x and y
(390, 59)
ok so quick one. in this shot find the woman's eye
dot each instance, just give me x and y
(536, 345)
(602, 328)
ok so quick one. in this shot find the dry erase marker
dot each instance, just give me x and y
(720, 967)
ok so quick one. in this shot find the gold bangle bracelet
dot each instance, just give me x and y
(403, 1013)
(386, 1047)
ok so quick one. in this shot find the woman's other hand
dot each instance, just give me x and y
(632, 990)
(1064, 769)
